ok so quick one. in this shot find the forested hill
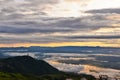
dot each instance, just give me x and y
(28, 68)
(26, 65)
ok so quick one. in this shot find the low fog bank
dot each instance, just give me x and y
(78, 63)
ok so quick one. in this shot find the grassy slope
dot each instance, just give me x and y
(12, 76)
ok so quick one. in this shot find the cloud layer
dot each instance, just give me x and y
(40, 21)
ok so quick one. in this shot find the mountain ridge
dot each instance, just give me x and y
(26, 65)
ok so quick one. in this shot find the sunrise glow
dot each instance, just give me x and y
(59, 23)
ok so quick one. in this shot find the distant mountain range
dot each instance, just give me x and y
(64, 49)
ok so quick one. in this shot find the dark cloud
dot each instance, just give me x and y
(51, 25)
(26, 30)
(57, 25)
(110, 11)
(95, 37)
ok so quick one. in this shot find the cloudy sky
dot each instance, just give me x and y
(59, 23)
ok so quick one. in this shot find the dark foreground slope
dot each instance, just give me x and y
(28, 68)
(62, 76)
(26, 65)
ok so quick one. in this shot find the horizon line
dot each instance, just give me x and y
(58, 46)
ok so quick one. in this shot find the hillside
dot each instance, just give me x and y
(26, 65)
(63, 76)
(28, 68)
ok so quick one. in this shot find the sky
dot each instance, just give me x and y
(59, 23)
